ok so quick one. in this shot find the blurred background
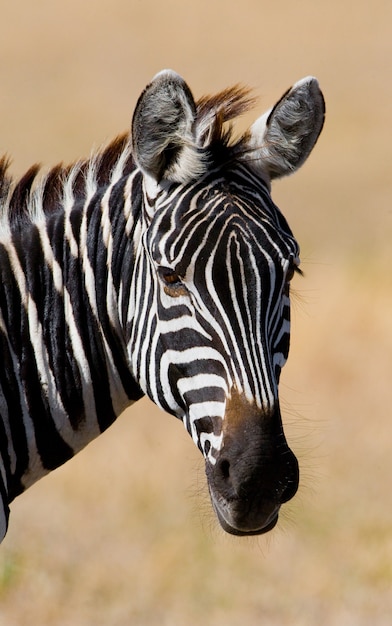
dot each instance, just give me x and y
(124, 534)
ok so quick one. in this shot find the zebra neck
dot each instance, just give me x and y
(65, 374)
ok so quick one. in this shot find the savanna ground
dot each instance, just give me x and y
(124, 534)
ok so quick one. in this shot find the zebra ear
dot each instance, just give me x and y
(285, 135)
(163, 139)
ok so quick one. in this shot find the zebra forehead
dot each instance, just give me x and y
(231, 197)
(217, 231)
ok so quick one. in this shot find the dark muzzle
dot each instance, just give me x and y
(255, 471)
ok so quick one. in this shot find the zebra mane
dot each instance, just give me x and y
(29, 197)
(214, 113)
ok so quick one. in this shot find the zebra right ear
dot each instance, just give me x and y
(163, 140)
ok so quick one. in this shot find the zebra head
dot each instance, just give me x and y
(215, 261)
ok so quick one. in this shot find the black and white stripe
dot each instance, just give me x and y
(161, 270)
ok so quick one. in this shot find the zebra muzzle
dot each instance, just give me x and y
(254, 474)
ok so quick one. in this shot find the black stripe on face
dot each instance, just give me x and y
(205, 394)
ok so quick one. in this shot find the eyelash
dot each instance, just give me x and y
(296, 270)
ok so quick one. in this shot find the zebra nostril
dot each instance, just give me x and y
(223, 467)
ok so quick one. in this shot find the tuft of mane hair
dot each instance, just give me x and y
(214, 112)
(26, 198)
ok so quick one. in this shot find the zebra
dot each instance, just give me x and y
(160, 266)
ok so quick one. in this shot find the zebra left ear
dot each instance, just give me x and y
(163, 139)
(285, 135)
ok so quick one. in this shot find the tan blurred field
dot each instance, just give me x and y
(124, 535)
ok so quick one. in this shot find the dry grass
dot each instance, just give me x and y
(123, 535)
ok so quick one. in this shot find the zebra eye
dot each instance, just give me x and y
(169, 276)
(290, 273)
(173, 285)
(292, 269)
